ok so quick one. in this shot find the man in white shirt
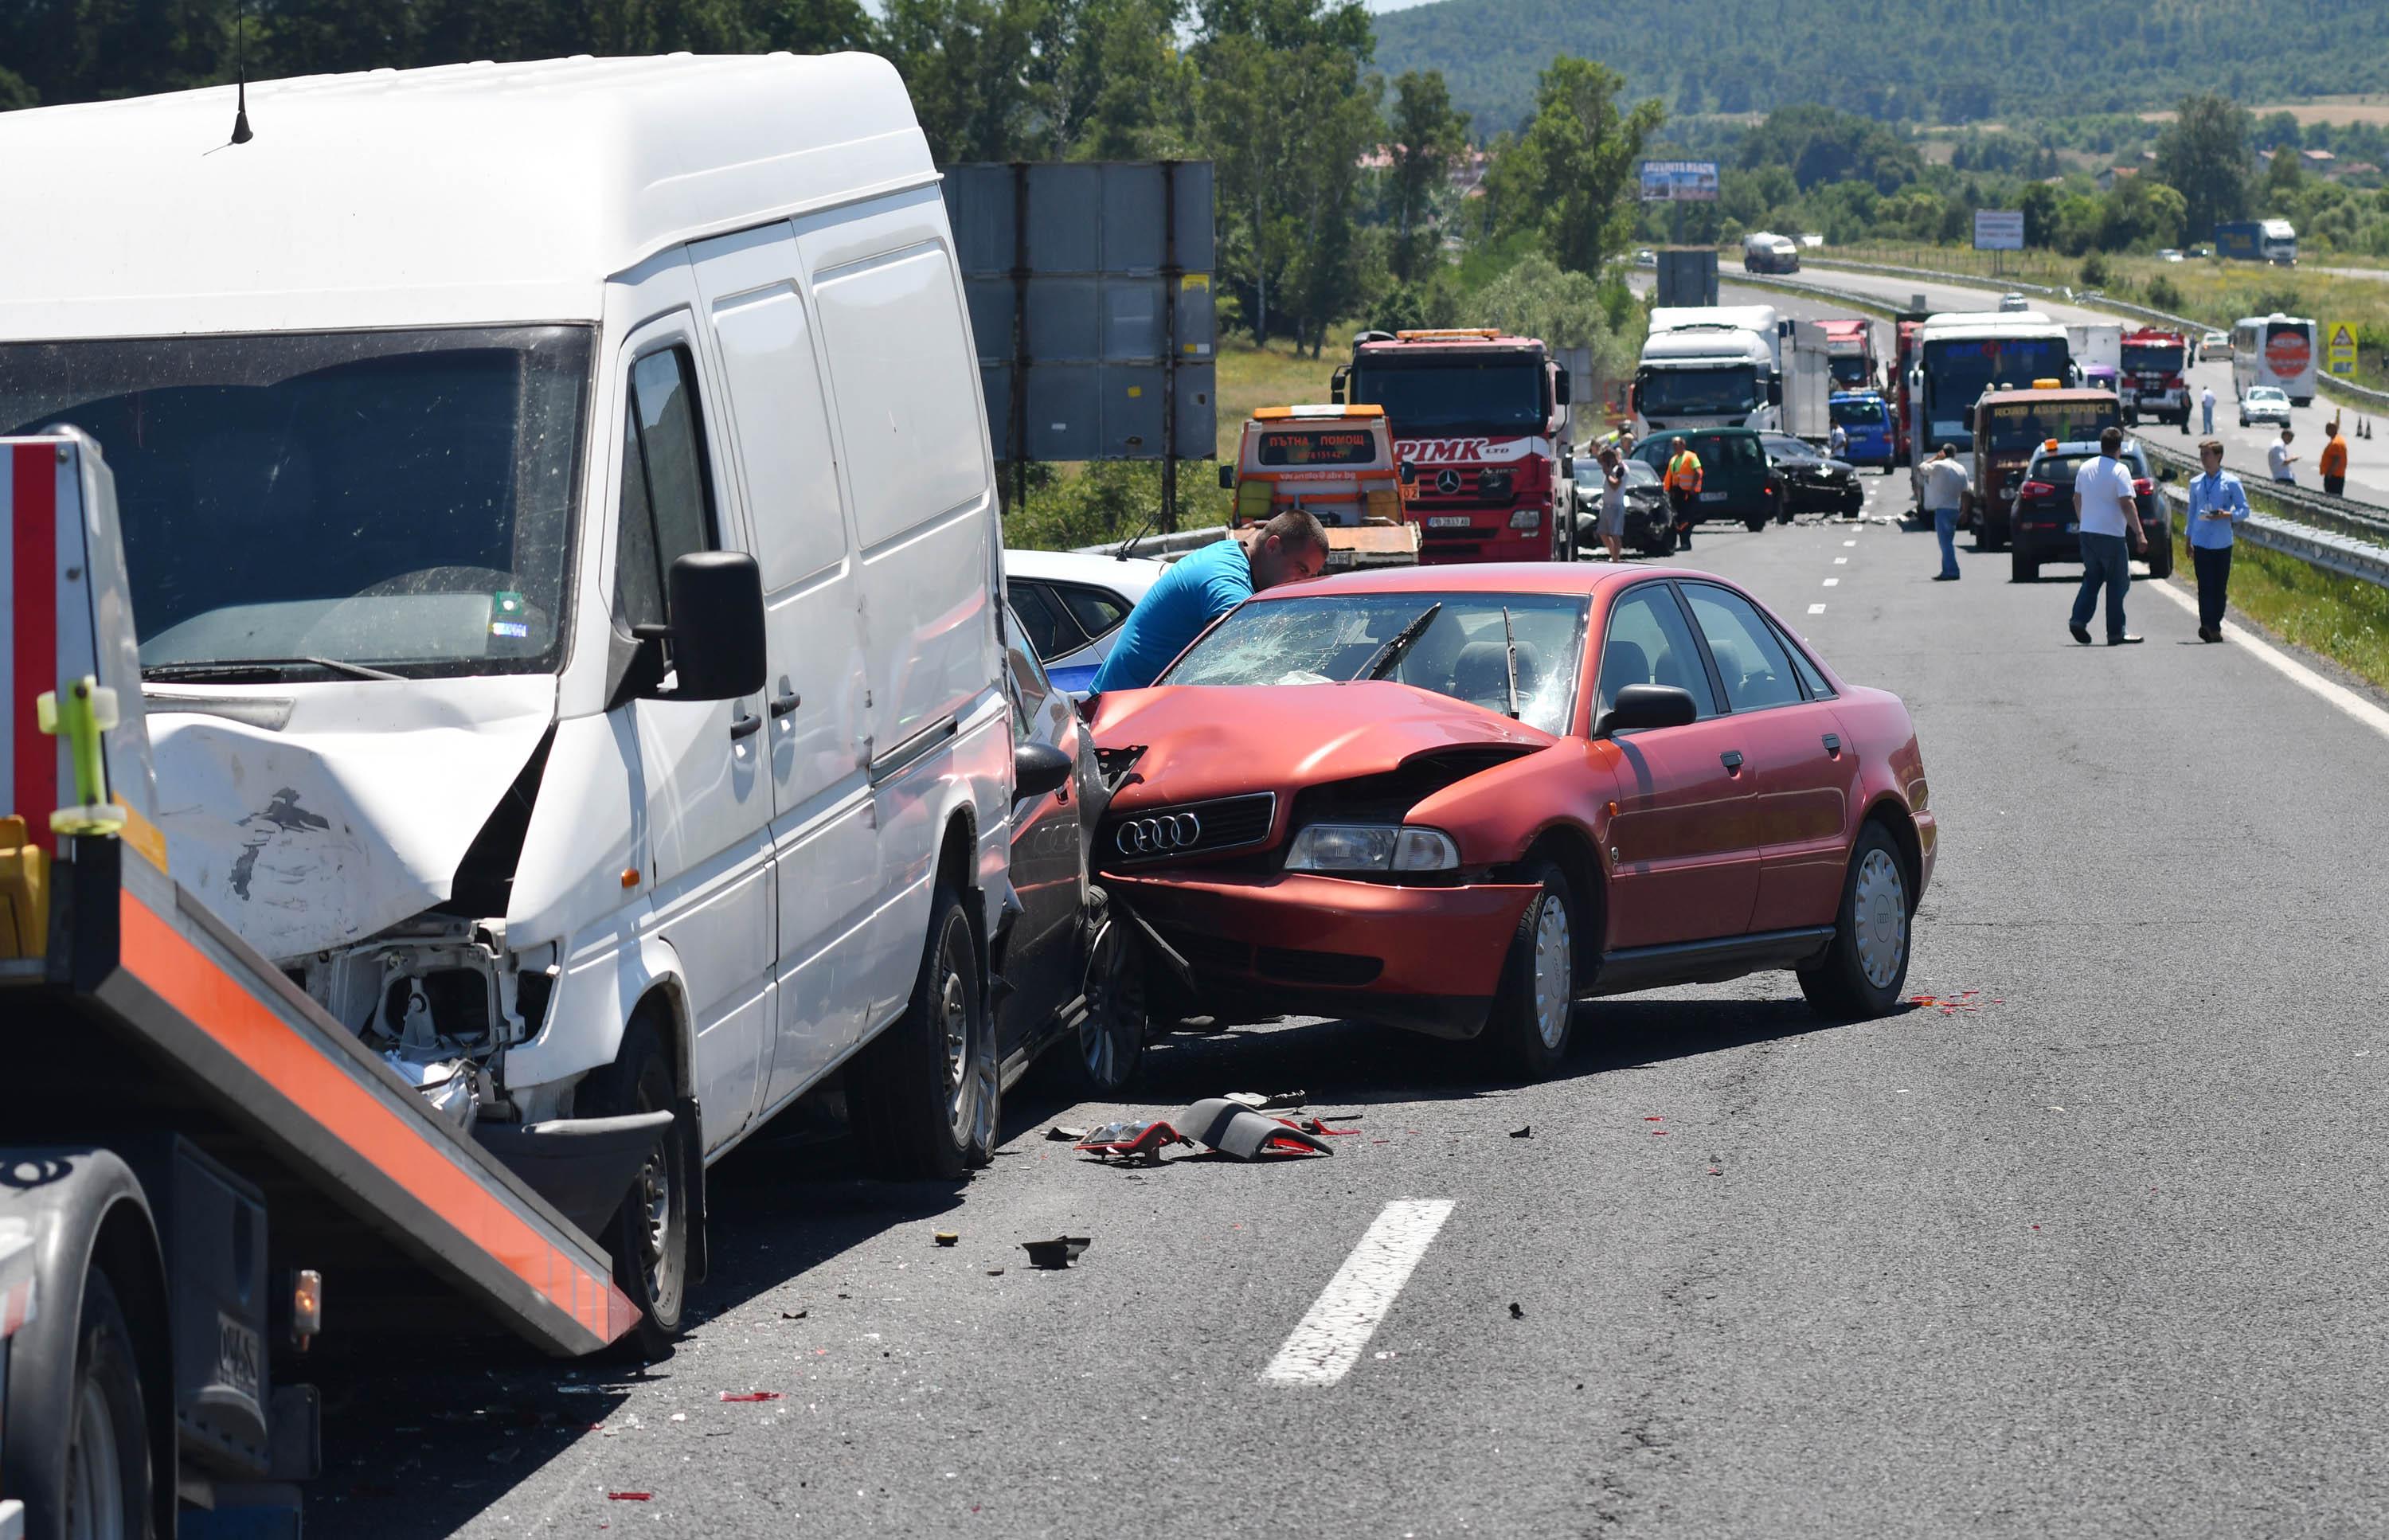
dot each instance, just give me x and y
(1838, 442)
(2107, 507)
(1946, 486)
(2278, 459)
(2206, 410)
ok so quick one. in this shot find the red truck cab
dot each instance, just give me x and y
(2153, 382)
(1480, 416)
(1909, 323)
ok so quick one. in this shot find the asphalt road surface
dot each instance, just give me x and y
(2368, 458)
(2097, 1250)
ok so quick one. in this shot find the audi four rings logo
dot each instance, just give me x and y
(1446, 482)
(1150, 836)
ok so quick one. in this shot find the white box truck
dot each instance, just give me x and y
(1732, 366)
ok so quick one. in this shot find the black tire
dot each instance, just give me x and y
(2161, 556)
(2022, 568)
(1108, 1045)
(1862, 972)
(106, 1487)
(1521, 1034)
(648, 1239)
(1755, 524)
(926, 1097)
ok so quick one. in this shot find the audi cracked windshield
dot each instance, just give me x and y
(314, 506)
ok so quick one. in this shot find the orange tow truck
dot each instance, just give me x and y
(1337, 462)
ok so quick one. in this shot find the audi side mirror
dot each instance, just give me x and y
(716, 634)
(1642, 706)
(1227, 478)
(1038, 769)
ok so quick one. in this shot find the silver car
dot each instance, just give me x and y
(2264, 404)
(2012, 302)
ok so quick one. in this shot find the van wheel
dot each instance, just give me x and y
(108, 1471)
(1528, 1033)
(926, 1095)
(1860, 975)
(650, 1237)
(1110, 1036)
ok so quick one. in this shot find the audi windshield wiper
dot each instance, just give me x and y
(1382, 661)
(231, 669)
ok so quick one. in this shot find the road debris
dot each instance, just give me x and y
(1244, 1135)
(630, 1496)
(1143, 1139)
(1060, 1252)
(947, 1238)
(1966, 1001)
(1516, 1313)
(794, 1315)
(1059, 1135)
(1526, 1132)
(750, 1395)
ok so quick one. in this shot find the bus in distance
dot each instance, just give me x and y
(2276, 350)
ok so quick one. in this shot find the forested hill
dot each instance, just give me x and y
(1933, 60)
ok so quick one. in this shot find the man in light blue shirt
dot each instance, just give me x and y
(1203, 586)
(2219, 505)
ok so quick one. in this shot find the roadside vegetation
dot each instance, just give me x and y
(2345, 619)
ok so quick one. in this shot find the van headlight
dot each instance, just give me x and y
(1371, 847)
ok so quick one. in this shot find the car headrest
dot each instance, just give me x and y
(1626, 663)
(1482, 673)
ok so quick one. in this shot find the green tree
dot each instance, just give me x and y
(1571, 177)
(967, 64)
(2284, 178)
(1109, 80)
(1427, 136)
(2203, 154)
(2140, 211)
(1537, 297)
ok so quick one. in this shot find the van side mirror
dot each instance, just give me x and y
(1560, 388)
(1646, 705)
(1409, 474)
(1336, 381)
(1227, 478)
(1038, 769)
(716, 631)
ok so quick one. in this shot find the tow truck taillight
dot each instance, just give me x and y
(2035, 488)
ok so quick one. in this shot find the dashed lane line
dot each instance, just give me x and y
(1832, 582)
(1841, 561)
(2347, 701)
(1328, 1340)
(1816, 609)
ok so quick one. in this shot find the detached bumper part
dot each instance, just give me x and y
(582, 1165)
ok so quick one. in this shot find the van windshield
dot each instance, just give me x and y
(398, 500)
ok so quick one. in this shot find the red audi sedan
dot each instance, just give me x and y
(1461, 800)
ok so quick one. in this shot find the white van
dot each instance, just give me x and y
(566, 561)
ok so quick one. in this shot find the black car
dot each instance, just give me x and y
(2043, 526)
(1070, 965)
(1812, 482)
(1649, 527)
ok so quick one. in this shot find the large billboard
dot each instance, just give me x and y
(1679, 180)
(1999, 229)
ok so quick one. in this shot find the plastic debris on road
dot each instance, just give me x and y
(1243, 1134)
(750, 1395)
(1516, 1313)
(630, 1496)
(947, 1238)
(1966, 1001)
(1526, 1132)
(1143, 1139)
(1059, 1135)
(1060, 1252)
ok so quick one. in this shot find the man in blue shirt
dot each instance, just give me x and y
(1203, 586)
(2218, 507)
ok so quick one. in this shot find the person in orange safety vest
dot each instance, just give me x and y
(1682, 482)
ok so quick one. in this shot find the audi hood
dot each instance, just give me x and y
(1202, 742)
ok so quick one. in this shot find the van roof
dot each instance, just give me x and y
(470, 193)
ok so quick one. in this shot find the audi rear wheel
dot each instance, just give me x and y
(1859, 975)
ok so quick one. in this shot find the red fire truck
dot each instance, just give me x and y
(1903, 359)
(1479, 417)
(1849, 350)
(2151, 382)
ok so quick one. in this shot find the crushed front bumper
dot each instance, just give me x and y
(1428, 959)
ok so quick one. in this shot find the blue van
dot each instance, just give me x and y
(1863, 416)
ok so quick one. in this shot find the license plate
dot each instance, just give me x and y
(1449, 521)
(2073, 527)
(1713, 497)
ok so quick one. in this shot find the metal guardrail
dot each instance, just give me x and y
(2332, 552)
(2360, 395)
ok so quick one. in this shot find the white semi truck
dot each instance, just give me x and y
(1732, 366)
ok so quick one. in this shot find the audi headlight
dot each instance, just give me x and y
(1371, 847)
(1526, 519)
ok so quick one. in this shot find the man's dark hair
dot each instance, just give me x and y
(1295, 527)
(2213, 444)
(2110, 440)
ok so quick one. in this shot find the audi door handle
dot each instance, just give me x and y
(1732, 758)
(783, 704)
(745, 725)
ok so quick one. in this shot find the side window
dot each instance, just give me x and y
(1095, 610)
(1649, 643)
(1042, 620)
(1029, 687)
(667, 494)
(1757, 673)
(1811, 678)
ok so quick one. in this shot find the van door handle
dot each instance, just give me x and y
(745, 725)
(782, 705)
(1732, 758)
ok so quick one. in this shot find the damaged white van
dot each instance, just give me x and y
(564, 550)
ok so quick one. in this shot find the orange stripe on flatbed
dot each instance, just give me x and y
(188, 979)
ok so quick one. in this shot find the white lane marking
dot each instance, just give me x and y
(2339, 695)
(1841, 561)
(1832, 582)
(1816, 609)
(1849, 542)
(1324, 1346)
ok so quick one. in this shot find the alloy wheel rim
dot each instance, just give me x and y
(655, 1194)
(1554, 993)
(952, 1004)
(1879, 917)
(95, 1469)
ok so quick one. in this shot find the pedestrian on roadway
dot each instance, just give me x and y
(1838, 442)
(2219, 505)
(1612, 504)
(2331, 464)
(2109, 513)
(1683, 485)
(2206, 410)
(1199, 588)
(2278, 459)
(1946, 487)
